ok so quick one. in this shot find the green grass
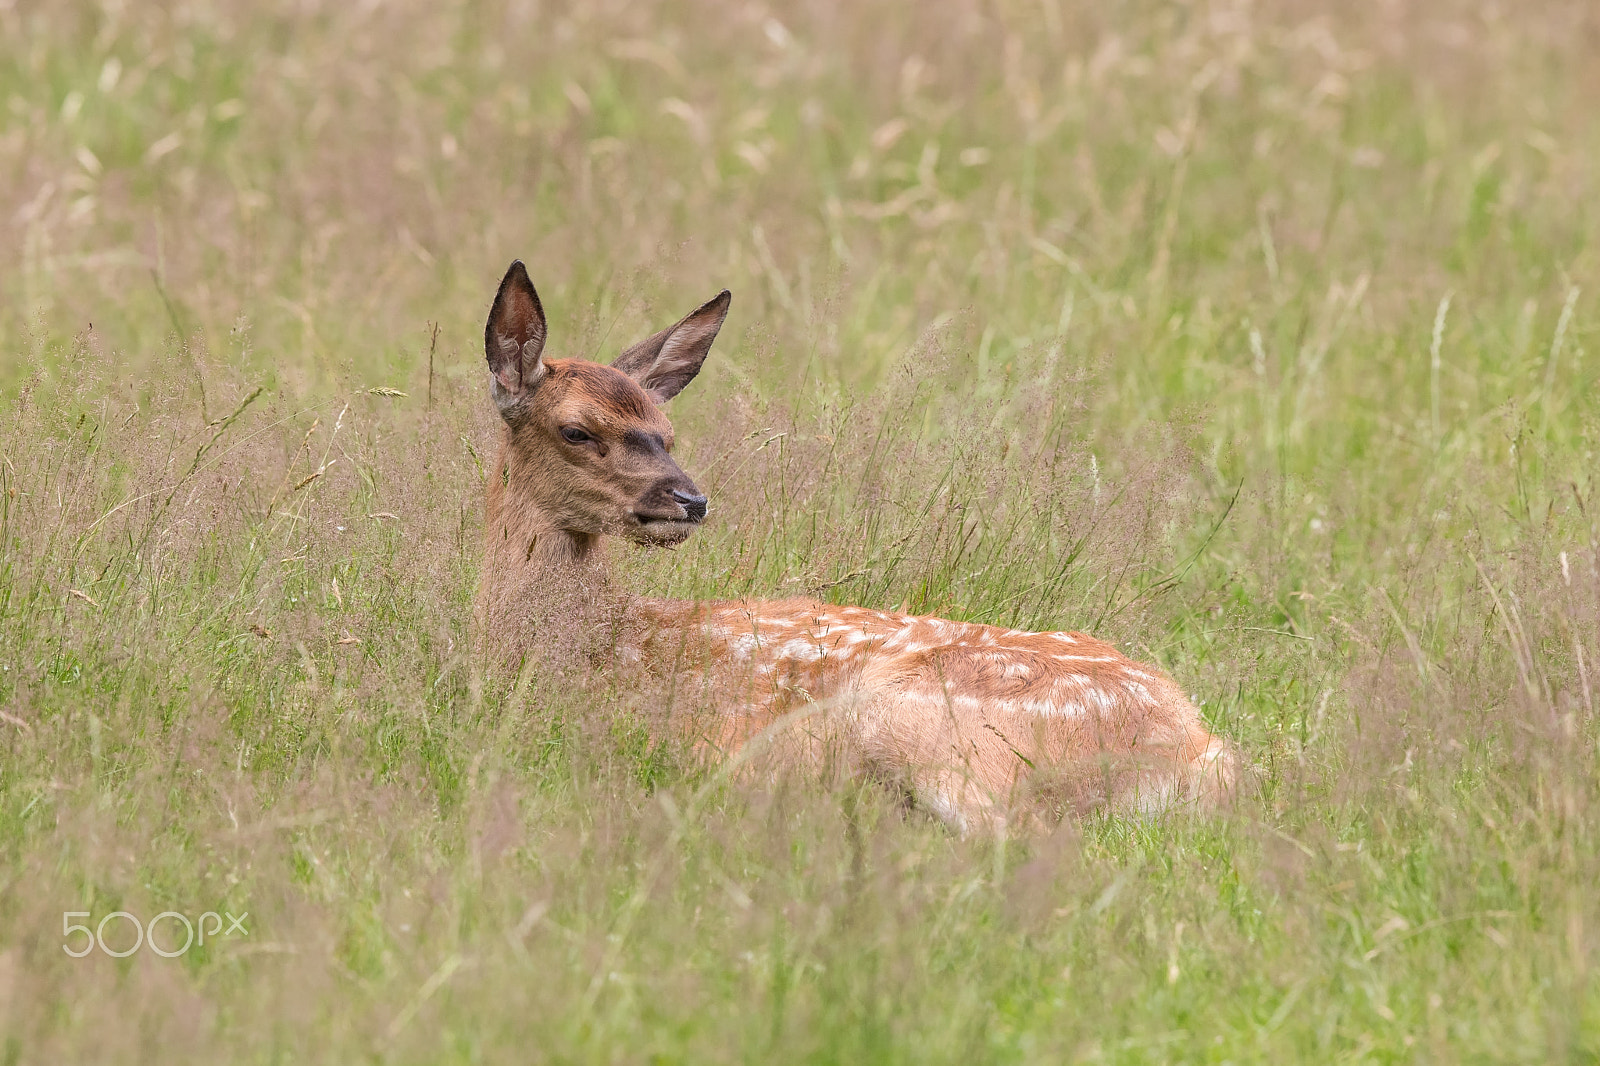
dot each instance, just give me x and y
(1258, 340)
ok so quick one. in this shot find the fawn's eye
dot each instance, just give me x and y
(574, 435)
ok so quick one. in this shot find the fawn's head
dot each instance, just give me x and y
(588, 445)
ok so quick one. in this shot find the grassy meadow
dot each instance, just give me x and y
(1260, 338)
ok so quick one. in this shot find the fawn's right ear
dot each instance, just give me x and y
(513, 339)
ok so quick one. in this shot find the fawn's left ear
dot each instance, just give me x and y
(665, 363)
(513, 339)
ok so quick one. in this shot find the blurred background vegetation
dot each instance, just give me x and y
(1255, 336)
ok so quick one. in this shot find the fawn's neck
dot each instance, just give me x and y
(521, 538)
(542, 585)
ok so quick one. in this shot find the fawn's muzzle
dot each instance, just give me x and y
(670, 512)
(694, 506)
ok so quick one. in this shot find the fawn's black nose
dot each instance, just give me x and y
(693, 506)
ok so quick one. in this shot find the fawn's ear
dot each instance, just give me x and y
(665, 363)
(513, 338)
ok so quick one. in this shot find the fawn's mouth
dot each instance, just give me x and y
(662, 529)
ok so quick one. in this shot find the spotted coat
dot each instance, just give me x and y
(977, 722)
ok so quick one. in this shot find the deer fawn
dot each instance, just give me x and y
(976, 724)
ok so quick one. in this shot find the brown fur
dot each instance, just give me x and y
(981, 725)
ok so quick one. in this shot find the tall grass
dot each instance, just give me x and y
(1257, 338)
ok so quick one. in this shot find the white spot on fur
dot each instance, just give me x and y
(799, 648)
(945, 809)
(1138, 690)
(899, 638)
(1053, 708)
